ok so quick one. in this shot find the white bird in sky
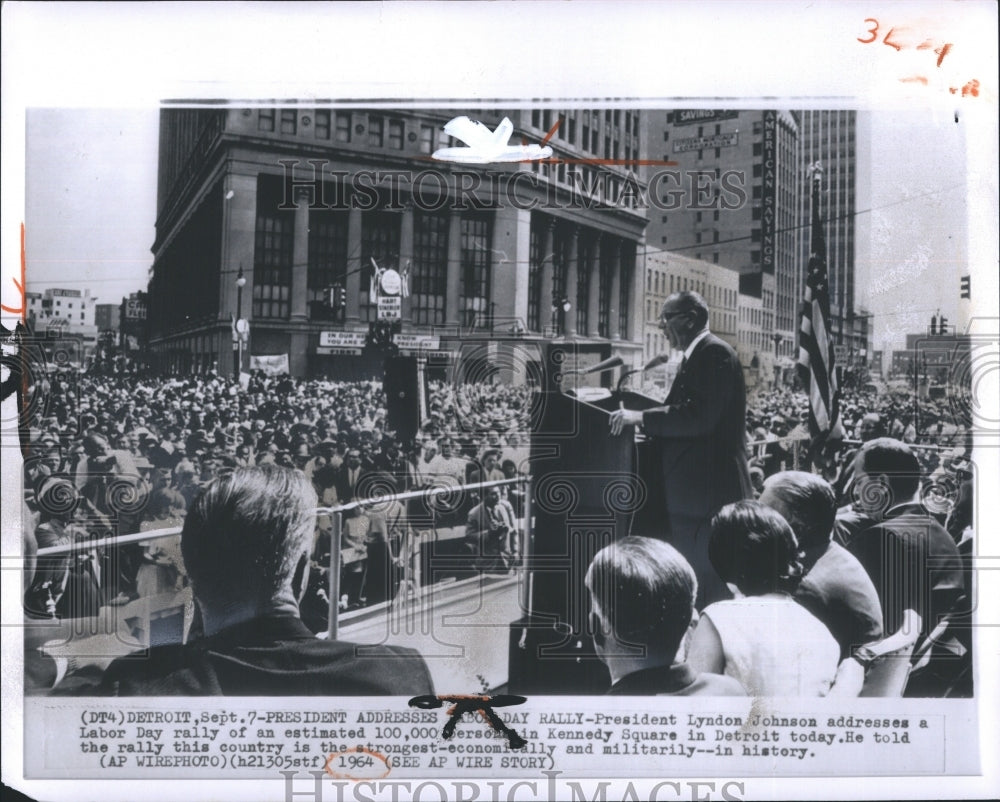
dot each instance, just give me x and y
(486, 146)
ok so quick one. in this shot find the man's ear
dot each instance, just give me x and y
(597, 628)
(300, 579)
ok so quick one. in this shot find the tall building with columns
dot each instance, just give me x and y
(301, 201)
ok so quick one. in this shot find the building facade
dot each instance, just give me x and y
(279, 216)
(737, 204)
(829, 138)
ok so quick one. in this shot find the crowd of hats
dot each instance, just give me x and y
(197, 424)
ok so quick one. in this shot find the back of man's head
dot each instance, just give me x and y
(894, 459)
(644, 591)
(248, 535)
(806, 501)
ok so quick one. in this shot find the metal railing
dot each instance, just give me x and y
(336, 514)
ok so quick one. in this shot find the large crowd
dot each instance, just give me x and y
(126, 454)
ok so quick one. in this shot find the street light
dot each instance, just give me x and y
(241, 282)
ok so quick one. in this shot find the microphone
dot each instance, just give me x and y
(656, 361)
(607, 364)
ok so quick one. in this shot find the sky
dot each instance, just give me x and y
(90, 199)
(91, 210)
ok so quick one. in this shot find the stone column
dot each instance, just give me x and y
(594, 289)
(454, 269)
(545, 300)
(300, 253)
(572, 276)
(406, 256)
(353, 283)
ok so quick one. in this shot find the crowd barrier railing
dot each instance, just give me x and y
(336, 515)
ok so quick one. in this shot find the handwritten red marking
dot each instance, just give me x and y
(357, 750)
(22, 310)
(872, 31)
(886, 41)
(943, 51)
(914, 79)
(552, 132)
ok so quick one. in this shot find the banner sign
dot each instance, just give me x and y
(342, 339)
(706, 142)
(417, 342)
(694, 116)
(273, 365)
(389, 307)
(769, 191)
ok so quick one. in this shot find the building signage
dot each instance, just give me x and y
(417, 342)
(705, 142)
(64, 293)
(694, 116)
(769, 191)
(342, 339)
(389, 307)
(135, 309)
(321, 351)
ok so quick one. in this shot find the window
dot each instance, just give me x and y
(429, 276)
(375, 128)
(272, 276)
(426, 138)
(343, 126)
(758, 149)
(474, 292)
(624, 295)
(607, 267)
(396, 134)
(535, 273)
(327, 259)
(379, 241)
(322, 123)
(289, 121)
(571, 133)
(265, 120)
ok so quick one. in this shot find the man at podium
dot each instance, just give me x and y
(700, 431)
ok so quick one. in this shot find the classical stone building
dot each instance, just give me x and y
(304, 201)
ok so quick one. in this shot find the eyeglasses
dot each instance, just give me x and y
(668, 316)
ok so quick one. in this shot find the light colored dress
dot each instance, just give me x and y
(774, 646)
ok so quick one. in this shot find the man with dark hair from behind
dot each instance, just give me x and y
(835, 587)
(911, 559)
(642, 604)
(246, 543)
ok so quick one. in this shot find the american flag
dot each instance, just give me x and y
(816, 355)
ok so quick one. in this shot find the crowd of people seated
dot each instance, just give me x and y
(817, 558)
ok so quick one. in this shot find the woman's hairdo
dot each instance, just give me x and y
(754, 548)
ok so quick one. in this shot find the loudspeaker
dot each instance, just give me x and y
(402, 400)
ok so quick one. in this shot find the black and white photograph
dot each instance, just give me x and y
(379, 436)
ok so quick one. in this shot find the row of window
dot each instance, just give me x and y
(345, 127)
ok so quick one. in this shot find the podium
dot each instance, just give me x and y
(589, 489)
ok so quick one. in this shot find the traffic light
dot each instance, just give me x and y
(943, 325)
(933, 325)
(336, 296)
(967, 287)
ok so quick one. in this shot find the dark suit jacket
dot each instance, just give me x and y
(702, 434)
(702, 427)
(271, 656)
(839, 593)
(675, 680)
(913, 563)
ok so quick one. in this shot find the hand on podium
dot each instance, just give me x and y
(621, 418)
